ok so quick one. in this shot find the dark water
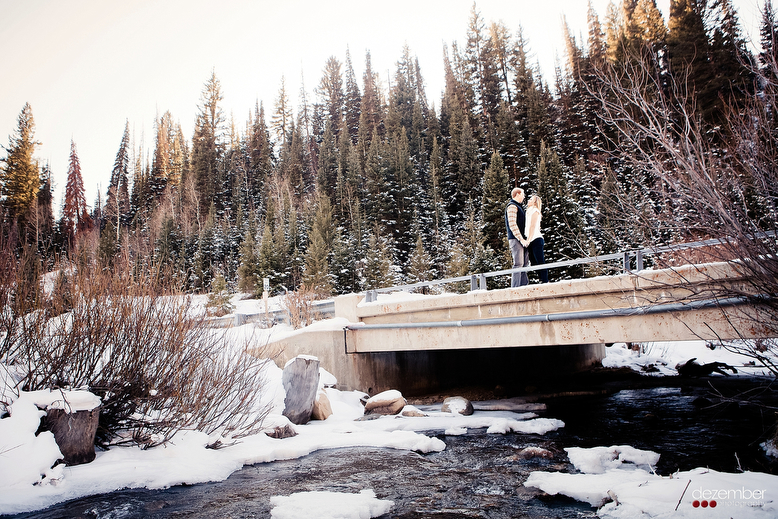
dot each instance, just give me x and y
(481, 475)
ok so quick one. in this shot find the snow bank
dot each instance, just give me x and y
(614, 479)
(599, 460)
(186, 460)
(69, 401)
(329, 505)
(661, 358)
(26, 459)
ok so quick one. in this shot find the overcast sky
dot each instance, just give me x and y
(87, 66)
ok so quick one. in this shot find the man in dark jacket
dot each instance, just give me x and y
(515, 223)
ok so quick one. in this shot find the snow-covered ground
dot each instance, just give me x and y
(619, 479)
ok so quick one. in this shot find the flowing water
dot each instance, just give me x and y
(481, 475)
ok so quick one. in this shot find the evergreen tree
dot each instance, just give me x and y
(370, 112)
(44, 217)
(330, 92)
(327, 174)
(179, 158)
(207, 143)
(117, 203)
(108, 245)
(731, 61)
(651, 29)
(348, 184)
(317, 265)
(260, 152)
(468, 168)
(597, 48)
(400, 191)
(282, 119)
(768, 35)
(292, 163)
(376, 201)
(402, 96)
(420, 264)
(613, 34)
(219, 297)
(19, 178)
(162, 163)
(481, 75)
(248, 275)
(348, 248)
(167, 248)
(502, 47)
(206, 257)
(496, 195)
(562, 221)
(440, 228)
(688, 55)
(352, 101)
(75, 216)
(310, 145)
(377, 272)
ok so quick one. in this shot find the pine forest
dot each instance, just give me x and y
(650, 132)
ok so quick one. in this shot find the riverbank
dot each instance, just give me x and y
(442, 463)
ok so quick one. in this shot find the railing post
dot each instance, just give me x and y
(370, 296)
(639, 261)
(482, 282)
(626, 262)
(473, 282)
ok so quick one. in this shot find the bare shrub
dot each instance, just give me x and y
(299, 304)
(713, 183)
(151, 358)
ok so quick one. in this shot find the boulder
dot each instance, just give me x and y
(322, 409)
(457, 404)
(535, 452)
(410, 411)
(387, 403)
(301, 383)
(281, 432)
(74, 433)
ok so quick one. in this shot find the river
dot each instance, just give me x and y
(691, 423)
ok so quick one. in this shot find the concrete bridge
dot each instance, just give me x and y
(515, 336)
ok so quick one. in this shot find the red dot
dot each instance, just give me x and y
(704, 504)
(713, 504)
(696, 504)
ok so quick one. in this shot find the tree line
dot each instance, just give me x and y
(358, 187)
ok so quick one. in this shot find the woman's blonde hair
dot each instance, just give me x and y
(535, 201)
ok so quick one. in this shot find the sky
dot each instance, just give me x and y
(89, 66)
(28, 483)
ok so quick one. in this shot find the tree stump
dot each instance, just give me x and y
(74, 433)
(301, 383)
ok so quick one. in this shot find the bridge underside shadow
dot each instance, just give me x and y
(515, 369)
(423, 372)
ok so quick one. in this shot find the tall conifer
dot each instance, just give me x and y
(75, 216)
(207, 143)
(496, 195)
(19, 177)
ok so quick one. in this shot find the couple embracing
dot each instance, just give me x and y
(524, 236)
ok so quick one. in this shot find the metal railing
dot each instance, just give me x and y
(478, 281)
(626, 259)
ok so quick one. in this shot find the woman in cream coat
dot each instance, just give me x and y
(534, 237)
